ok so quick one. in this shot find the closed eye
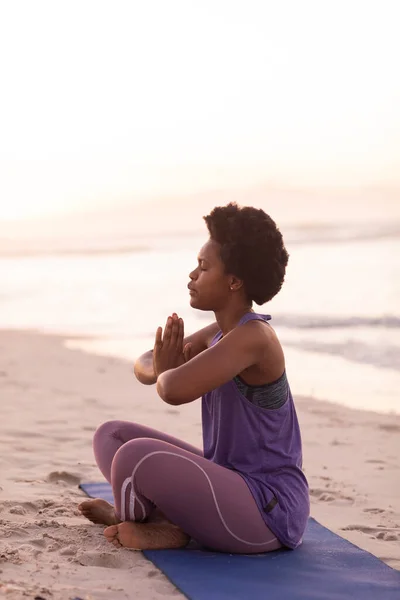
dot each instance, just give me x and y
(201, 264)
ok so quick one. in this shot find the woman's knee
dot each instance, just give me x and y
(134, 454)
(137, 449)
(118, 430)
(106, 430)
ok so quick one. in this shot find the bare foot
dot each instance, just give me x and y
(146, 536)
(99, 511)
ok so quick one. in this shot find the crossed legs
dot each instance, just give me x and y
(153, 476)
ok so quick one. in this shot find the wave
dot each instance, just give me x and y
(327, 322)
(376, 351)
(334, 233)
(384, 356)
(50, 244)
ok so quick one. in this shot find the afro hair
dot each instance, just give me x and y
(252, 249)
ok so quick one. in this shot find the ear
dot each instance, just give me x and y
(235, 284)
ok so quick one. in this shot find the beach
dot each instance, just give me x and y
(123, 127)
(52, 399)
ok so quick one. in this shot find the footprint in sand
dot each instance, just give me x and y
(17, 510)
(60, 511)
(18, 533)
(28, 552)
(23, 508)
(103, 559)
(10, 555)
(324, 495)
(69, 478)
(374, 511)
(38, 541)
(68, 551)
(389, 427)
(387, 534)
(152, 573)
(18, 434)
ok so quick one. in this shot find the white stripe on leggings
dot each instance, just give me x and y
(212, 491)
(132, 504)
(131, 509)
(123, 493)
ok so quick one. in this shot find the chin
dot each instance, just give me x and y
(194, 303)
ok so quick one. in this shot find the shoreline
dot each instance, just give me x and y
(52, 400)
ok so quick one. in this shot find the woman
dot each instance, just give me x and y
(246, 491)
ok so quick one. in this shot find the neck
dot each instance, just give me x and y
(227, 318)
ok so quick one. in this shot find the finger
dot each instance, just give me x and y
(168, 331)
(174, 330)
(180, 334)
(158, 340)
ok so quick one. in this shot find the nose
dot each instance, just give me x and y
(192, 275)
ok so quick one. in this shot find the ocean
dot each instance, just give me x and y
(337, 314)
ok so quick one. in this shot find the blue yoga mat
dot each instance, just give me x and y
(324, 567)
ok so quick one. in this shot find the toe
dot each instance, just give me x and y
(111, 532)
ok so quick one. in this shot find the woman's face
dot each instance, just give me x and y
(209, 284)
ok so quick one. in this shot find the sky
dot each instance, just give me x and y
(116, 103)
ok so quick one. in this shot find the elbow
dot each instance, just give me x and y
(165, 389)
(143, 369)
(144, 378)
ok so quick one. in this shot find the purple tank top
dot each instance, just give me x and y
(264, 447)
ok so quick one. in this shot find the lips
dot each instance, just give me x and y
(191, 289)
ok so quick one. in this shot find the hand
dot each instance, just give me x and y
(168, 350)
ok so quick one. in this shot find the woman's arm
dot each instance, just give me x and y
(199, 341)
(241, 348)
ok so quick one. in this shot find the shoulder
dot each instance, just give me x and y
(258, 338)
(269, 357)
(251, 337)
(256, 331)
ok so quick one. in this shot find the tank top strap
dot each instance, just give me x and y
(252, 316)
(216, 338)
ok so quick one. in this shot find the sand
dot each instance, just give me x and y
(51, 401)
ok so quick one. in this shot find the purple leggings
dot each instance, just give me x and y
(149, 469)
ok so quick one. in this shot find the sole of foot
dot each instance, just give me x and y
(98, 511)
(146, 536)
